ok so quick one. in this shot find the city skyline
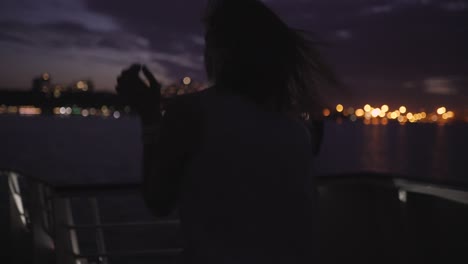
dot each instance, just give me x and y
(396, 52)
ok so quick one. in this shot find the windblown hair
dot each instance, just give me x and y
(252, 52)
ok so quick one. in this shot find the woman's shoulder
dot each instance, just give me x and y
(186, 101)
(185, 110)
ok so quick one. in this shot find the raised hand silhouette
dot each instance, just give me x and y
(144, 97)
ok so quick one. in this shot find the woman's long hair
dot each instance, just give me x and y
(252, 52)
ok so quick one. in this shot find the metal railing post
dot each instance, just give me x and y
(66, 241)
(100, 241)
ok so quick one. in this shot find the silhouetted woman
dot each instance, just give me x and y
(235, 159)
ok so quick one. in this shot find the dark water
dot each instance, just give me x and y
(427, 151)
(78, 150)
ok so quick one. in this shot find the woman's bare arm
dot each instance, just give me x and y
(162, 152)
(165, 159)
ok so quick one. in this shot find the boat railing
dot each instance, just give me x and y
(53, 215)
(48, 212)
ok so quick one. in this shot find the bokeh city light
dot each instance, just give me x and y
(384, 114)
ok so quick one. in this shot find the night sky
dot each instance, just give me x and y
(397, 52)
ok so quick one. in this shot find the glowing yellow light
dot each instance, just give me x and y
(423, 115)
(360, 113)
(326, 112)
(367, 108)
(376, 112)
(82, 86)
(403, 109)
(382, 114)
(339, 108)
(441, 110)
(45, 76)
(445, 116)
(105, 111)
(368, 116)
(385, 108)
(409, 116)
(450, 114)
(434, 118)
(187, 80)
(401, 119)
(394, 115)
(12, 109)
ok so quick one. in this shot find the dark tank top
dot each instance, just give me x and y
(247, 192)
